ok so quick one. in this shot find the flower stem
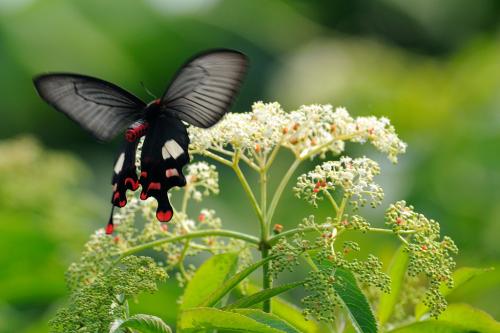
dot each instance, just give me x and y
(194, 234)
(280, 189)
(247, 189)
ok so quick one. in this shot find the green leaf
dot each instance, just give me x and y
(354, 300)
(248, 301)
(208, 278)
(460, 277)
(232, 282)
(397, 270)
(144, 324)
(457, 318)
(268, 319)
(292, 314)
(196, 319)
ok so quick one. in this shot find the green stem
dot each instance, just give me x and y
(274, 239)
(181, 260)
(267, 280)
(247, 189)
(280, 189)
(194, 234)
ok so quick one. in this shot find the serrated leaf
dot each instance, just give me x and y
(355, 302)
(397, 270)
(144, 324)
(230, 283)
(460, 277)
(208, 278)
(457, 318)
(196, 319)
(248, 301)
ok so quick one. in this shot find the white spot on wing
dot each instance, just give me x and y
(119, 163)
(164, 152)
(173, 148)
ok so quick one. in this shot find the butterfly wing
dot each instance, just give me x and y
(100, 107)
(205, 87)
(164, 153)
(124, 174)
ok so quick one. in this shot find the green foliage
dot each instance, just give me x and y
(208, 278)
(461, 276)
(96, 303)
(144, 324)
(259, 297)
(457, 318)
(254, 321)
(397, 272)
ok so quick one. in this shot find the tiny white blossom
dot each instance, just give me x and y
(353, 176)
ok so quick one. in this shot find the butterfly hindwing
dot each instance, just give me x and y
(100, 107)
(124, 174)
(164, 153)
(205, 87)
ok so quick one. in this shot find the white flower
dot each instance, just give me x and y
(353, 176)
(309, 131)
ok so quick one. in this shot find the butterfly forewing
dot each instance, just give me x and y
(205, 87)
(100, 107)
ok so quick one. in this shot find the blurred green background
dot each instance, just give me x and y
(432, 67)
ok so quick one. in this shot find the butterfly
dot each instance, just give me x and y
(200, 93)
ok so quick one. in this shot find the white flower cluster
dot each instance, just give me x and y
(203, 179)
(353, 176)
(308, 131)
(255, 131)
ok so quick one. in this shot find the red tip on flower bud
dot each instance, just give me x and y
(164, 227)
(278, 228)
(333, 128)
(296, 126)
(424, 247)
(399, 221)
(116, 239)
(201, 217)
(285, 130)
(315, 190)
(257, 148)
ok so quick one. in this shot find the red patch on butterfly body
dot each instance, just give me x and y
(164, 216)
(109, 229)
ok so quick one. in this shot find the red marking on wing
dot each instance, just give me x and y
(133, 183)
(157, 101)
(164, 216)
(154, 186)
(144, 196)
(116, 196)
(144, 174)
(109, 229)
(122, 203)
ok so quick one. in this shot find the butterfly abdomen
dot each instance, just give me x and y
(136, 130)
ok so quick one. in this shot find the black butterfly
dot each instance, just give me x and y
(201, 92)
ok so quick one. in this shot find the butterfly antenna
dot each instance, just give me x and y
(147, 90)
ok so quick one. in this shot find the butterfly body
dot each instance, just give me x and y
(200, 94)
